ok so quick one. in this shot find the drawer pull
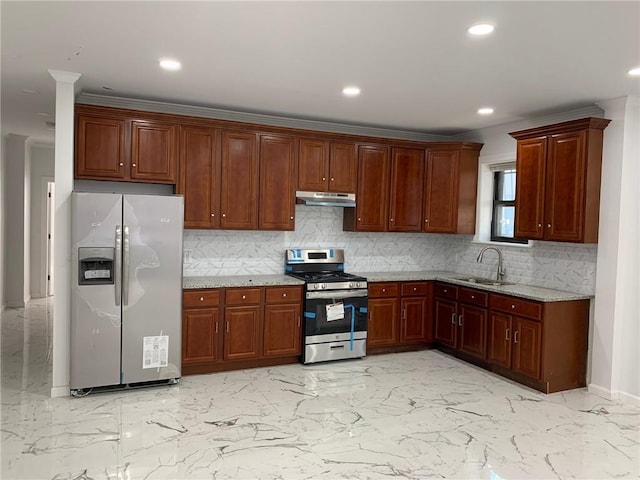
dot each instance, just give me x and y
(513, 307)
(473, 297)
(244, 297)
(445, 290)
(284, 294)
(384, 290)
(414, 289)
(515, 336)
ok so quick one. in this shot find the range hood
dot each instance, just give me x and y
(326, 199)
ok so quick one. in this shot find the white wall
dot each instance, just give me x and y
(16, 229)
(42, 169)
(617, 308)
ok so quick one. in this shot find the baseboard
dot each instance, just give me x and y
(623, 397)
(57, 392)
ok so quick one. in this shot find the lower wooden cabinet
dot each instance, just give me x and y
(399, 315)
(540, 344)
(226, 329)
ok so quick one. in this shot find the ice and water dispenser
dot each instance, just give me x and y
(96, 266)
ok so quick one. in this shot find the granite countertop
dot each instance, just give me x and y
(539, 294)
(517, 290)
(239, 281)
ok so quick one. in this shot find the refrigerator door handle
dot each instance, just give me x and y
(125, 267)
(118, 272)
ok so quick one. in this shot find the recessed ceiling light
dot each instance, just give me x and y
(485, 111)
(481, 29)
(351, 91)
(635, 72)
(30, 92)
(170, 64)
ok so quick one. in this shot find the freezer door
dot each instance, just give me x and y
(152, 288)
(95, 316)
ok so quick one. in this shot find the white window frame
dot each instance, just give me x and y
(487, 166)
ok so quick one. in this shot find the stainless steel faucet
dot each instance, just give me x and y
(501, 271)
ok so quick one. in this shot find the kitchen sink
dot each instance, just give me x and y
(484, 281)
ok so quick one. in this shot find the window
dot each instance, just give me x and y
(504, 206)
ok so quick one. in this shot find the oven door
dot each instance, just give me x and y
(335, 312)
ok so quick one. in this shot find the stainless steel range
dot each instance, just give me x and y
(335, 307)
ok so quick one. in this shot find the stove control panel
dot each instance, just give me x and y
(337, 286)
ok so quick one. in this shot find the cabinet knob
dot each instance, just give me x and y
(244, 297)
(121, 164)
(445, 290)
(391, 219)
(332, 179)
(133, 164)
(213, 214)
(473, 297)
(224, 215)
(324, 178)
(290, 218)
(414, 289)
(284, 294)
(202, 299)
(513, 307)
(359, 219)
(539, 225)
(426, 220)
(548, 225)
(384, 290)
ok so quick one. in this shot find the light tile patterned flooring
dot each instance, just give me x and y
(410, 416)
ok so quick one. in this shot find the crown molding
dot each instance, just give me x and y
(257, 118)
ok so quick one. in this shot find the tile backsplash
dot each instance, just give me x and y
(226, 252)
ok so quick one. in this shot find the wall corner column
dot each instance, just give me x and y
(64, 145)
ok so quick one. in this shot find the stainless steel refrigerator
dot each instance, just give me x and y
(126, 295)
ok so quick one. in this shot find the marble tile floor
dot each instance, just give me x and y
(410, 416)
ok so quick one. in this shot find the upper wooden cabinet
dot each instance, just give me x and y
(199, 174)
(154, 151)
(100, 148)
(558, 181)
(112, 145)
(406, 190)
(277, 183)
(450, 191)
(327, 166)
(370, 212)
(238, 181)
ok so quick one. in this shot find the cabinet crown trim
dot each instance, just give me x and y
(564, 127)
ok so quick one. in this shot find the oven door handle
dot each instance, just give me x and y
(337, 294)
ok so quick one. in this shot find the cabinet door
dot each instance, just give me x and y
(472, 323)
(500, 332)
(565, 187)
(242, 332)
(406, 190)
(313, 166)
(441, 197)
(530, 185)
(446, 321)
(277, 183)
(413, 320)
(382, 326)
(100, 148)
(199, 174)
(526, 347)
(343, 167)
(239, 181)
(282, 334)
(373, 188)
(200, 335)
(153, 151)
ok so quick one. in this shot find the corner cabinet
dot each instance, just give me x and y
(558, 171)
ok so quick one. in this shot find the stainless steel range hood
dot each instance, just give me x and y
(326, 199)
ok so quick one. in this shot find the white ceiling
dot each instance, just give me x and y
(417, 66)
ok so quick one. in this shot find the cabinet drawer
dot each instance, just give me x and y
(200, 298)
(284, 295)
(516, 306)
(414, 289)
(473, 297)
(443, 290)
(242, 296)
(382, 290)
